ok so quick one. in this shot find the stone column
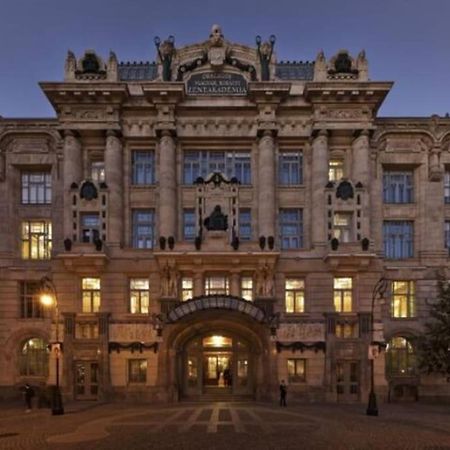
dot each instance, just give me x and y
(72, 173)
(266, 185)
(114, 181)
(319, 180)
(167, 186)
(360, 157)
(198, 284)
(235, 285)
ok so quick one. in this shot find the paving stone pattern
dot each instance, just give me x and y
(230, 426)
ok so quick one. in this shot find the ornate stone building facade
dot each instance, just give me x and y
(216, 222)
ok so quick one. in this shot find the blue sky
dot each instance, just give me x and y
(406, 41)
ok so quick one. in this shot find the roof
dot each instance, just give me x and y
(137, 71)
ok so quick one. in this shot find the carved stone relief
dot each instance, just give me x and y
(301, 332)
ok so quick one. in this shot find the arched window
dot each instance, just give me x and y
(34, 358)
(400, 357)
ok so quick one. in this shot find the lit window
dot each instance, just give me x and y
(398, 187)
(31, 306)
(343, 295)
(34, 358)
(290, 166)
(188, 224)
(90, 295)
(296, 370)
(139, 296)
(342, 226)
(137, 370)
(36, 188)
(403, 299)
(98, 171)
(335, 169)
(143, 168)
(400, 357)
(36, 240)
(90, 227)
(217, 286)
(346, 330)
(187, 288)
(291, 228)
(398, 239)
(143, 228)
(247, 288)
(245, 224)
(202, 163)
(294, 293)
(217, 341)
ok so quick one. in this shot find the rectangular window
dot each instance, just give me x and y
(143, 166)
(98, 171)
(447, 235)
(398, 186)
(90, 292)
(217, 285)
(291, 228)
(90, 227)
(139, 296)
(245, 224)
(202, 163)
(447, 186)
(335, 169)
(403, 299)
(398, 239)
(342, 226)
(137, 370)
(290, 168)
(31, 306)
(143, 228)
(346, 330)
(189, 224)
(342, 293)
(187, 288)
(296, 370)
(247, 288)
(36, 188)
(36, 240)
(294, 294)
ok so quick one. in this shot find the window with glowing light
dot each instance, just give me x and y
(247, 288)
(400, 357)
(343, 295)
(294, 294)
(187, 288)
(403, 304)
(33, 359)
(296, 370)
(217, 341)
(36, 240)
(139, 296)
(90, 295)
(137, 370)
(217, 285)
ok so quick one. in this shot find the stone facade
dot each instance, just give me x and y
(214, 171)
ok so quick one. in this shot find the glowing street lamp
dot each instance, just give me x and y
(49, 298)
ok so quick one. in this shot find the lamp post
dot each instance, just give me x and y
(378, 292)
(48, 297)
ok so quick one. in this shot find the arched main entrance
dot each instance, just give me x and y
(220, 345)
(219, 362)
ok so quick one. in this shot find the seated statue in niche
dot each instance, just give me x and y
(217, 221)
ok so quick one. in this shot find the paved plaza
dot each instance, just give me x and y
(228, 426)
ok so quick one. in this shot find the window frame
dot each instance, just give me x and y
(143, 172)
(339, 300)
(290, 171)
(346, 230)
(189, 223)
(334, 171)
(298, 294)
(209, 290)
(90, 233)
(32, 187)
(30, 300)
(43, 243)
(296, 378)
(395, 190)
(393, 232)
(136, 237)
(291, 241)
(247, 292)
(403, 301)
(245, 223)
(396, 357)
(140, 376)
(39, 357)
(143, 304)
(91, 296)
(186, 289)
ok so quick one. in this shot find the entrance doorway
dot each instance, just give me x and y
(347, 381)
(86, 380)
(217, 363)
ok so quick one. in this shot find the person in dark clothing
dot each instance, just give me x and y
(283, 393)
(28, 394)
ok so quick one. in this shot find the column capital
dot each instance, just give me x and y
(364, 132)
(113, 133)
(170, 131)
(267, 132)
(320, 132)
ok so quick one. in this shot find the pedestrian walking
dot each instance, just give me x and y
(283, 393)
(28, 392)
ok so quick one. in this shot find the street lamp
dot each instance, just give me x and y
(49, 298)
(378, 292)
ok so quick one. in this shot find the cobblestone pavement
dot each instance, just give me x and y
(230, 426)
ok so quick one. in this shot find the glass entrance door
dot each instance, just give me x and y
(347, 381)
(86, 380)
(217, 369)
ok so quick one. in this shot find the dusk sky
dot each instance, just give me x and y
(406, 41)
